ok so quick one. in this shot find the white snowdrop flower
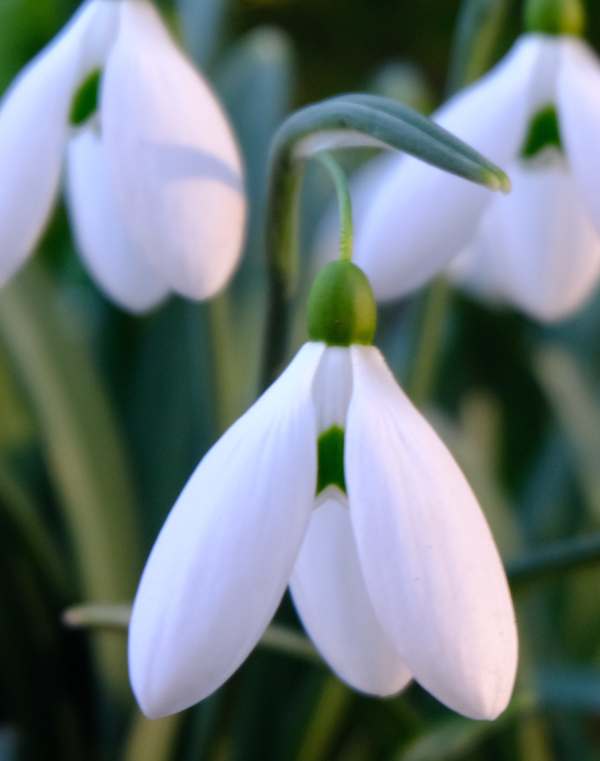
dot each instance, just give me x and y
(154, 178)
(537, 114)
(334, 484)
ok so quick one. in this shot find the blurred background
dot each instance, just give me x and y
(103, 416)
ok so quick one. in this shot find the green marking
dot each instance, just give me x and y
(331, 459)
(85, 100)
(544, 131)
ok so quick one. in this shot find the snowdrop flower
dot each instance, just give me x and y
(154, 180)
(537, 114)
(334, 483)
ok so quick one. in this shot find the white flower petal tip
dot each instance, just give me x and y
(331, 598)
(536, 248)
(102, 238)
(174, 161)
(34, 128)
(213, 580)
(431, 567)
(421, 217)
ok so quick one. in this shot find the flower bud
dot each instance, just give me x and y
(555, 16)
(341, 306)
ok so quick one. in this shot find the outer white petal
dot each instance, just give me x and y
(330, 595)
(429, 561)
(173, 158)
(538, 247)
(34, 127)
(421, 216)
(224, 557)
(102, 239)
(579, 113)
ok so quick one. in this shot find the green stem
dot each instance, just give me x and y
(344, 204)
(347, 121)
(435, 307)
(478, 29)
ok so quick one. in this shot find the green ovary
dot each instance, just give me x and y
(331, 460)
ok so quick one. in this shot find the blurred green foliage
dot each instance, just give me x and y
(104, 416)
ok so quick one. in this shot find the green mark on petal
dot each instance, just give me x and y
(85, 100)
(331, 459)
(544, 131)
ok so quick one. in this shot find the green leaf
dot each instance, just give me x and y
(153, 740)
(201, 26)
(81, 440)
(459, 736)
(18, 507)
(569, 688)
(478, 30)
(578, 411)
(322, 728)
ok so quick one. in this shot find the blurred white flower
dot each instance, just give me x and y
(154, 178)
(537, 114)
(334, 483)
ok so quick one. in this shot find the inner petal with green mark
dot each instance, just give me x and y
(544, 132)
(331, 460)
(85, 101)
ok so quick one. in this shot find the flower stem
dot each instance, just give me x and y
(436, 303)
(479, 27)
(344, 203)
(346, 121)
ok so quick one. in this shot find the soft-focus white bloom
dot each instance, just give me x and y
(538, 247)
(154, 179)
(397, 576)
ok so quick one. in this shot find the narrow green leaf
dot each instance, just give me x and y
(578, 411)
(396, 126)
(276, 637)
(201, 26)
(82, 443)
(458, 736)
(18, 507)
(569, 688)
(478, 31)
(153, 740)
(321, 730)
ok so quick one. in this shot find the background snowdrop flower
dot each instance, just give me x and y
(334, 483)
(537, 114)
(154, 179)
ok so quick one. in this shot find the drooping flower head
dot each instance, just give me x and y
(537, 114)
(333, 483)
(154, 178)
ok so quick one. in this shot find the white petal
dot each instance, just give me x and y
(34, 127)
(537, 247)
(333, 388)
(173, 158)
(331, 598)
(224, 557)
(102, 239)
(579, 115)
(429, 561)
(421, 216)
